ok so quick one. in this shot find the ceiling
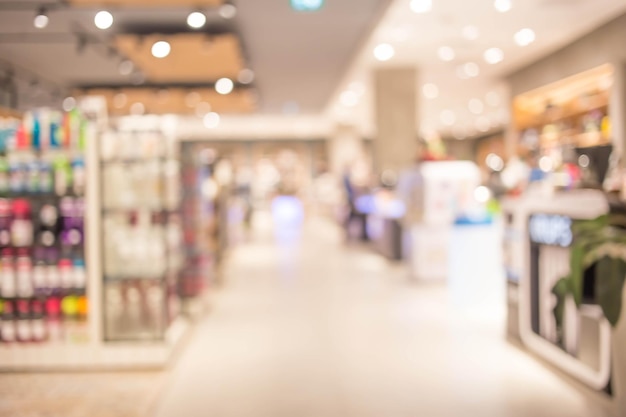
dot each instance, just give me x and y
(417, 38)
(298, 58)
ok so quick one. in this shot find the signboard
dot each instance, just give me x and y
(550, 229)
(307, 5)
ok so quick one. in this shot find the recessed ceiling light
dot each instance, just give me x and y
(69, 104)
(448, 117)
(525, 37)
(161, 49)
(430, 91)
(41, 19)
(126, 67)
(493, 99)
(192, 99)
(483, 124)
(103, 20)
(228, 11)
(493, 56)
(384, 52)
(137, 109)
(476, 106)
(224, 86)
(349, 98)
(471, 32)
(119, 100)
(468, 70)
(421, 6)
(357, 87)
(196, 20)
(211, 120)
(446, 53)
(203, 108)
(503, 6)
(246, 76)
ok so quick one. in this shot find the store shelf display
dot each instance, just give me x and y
(43, 277)
(141, 235)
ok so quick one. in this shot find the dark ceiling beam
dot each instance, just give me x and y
(158, 86)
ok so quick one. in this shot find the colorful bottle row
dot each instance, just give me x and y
(46, 224)
(43, 130)
(51, 319)
(23, 276)
(28, 174)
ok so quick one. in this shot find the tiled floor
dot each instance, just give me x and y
(306, 326)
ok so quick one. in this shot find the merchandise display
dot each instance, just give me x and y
(43, 278)
(141, 234)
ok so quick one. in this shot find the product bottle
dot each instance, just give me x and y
(7, 324)
(46, 180)
(5, 175)
(17, 175)
(66, 273)
(48, 219)
(40, 279)
(54, 328)
(32, 176)
(24, 274)
(38, 323)
(62, 176)
(78, 176)
(5, 222)
(80, 274)
(22, 225)
(7, 274)
(52, 270)
(24, 333)
(36, 133)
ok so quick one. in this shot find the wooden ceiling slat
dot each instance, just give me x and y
(176, 101)
(146, 3)
(194, 57)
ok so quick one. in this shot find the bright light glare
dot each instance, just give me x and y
(211, 120)
(494, 162)
(246, 76)
(421, 6)
(493, 56)
(384, 52)
(228, 11)
(476, 106)
(446, 53)
(448, 117)
(503, 6)
(196, 20)
(120, 100)
(349, 98)
(546, 164)
(126, 67)
(224, 86)
(161, 49)
(525, 37)
(482, 194)
(69, 104)
(137, 109)
(430, 91)
(468, 70)
(103, 20)
(41, 21)
(493, 99)
(584, 161)
(483, 124)
(471, 33)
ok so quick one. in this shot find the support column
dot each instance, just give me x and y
(395, 145)
(617, 111)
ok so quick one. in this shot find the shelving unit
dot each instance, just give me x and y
(97, 347)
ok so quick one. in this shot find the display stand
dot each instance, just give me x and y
(96, 351)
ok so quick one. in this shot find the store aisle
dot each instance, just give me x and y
(306, 326)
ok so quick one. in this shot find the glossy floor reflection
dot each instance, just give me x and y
(307, 326)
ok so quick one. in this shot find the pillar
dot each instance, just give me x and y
(617, 110)
(395, 144)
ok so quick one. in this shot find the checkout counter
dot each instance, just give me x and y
(537, 240)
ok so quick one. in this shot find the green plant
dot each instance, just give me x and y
(596, 244)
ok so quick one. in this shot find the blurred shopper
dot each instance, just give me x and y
(353, 213)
